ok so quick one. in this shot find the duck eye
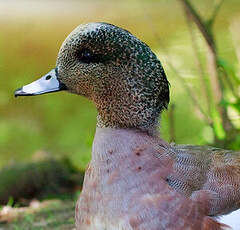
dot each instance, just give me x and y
(86, 56)
(48, 77)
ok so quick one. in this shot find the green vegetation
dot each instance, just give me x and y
(57, 215)
(220, 87)
(43, 179)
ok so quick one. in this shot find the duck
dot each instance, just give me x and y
(136, 180)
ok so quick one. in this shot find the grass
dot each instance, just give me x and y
(57, 215)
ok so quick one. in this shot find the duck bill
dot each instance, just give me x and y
(47, 84)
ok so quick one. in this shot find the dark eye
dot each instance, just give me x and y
(48, 77)
(87, 56)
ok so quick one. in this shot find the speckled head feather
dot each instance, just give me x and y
(118, 72)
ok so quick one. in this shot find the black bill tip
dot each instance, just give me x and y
(20, 92)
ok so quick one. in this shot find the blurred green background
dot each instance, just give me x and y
(31, 33)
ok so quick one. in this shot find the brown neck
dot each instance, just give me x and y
(124, 102)
(127, 112)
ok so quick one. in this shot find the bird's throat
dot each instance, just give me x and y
(145, 123)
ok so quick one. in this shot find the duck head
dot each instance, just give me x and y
(115, 70)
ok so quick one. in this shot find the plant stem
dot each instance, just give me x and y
(216, 84)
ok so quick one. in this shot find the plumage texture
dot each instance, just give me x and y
(126, 187)
(212, 169)
(122, 75)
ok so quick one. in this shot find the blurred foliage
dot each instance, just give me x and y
(43, 179)
(63, 124)
(221, 87)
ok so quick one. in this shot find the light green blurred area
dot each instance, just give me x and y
(31, 33)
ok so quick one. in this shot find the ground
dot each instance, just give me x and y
(55, 214)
